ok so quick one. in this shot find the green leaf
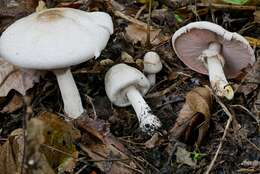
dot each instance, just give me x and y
(237, 2)
(178, 18)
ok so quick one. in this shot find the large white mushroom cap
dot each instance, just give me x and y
(56, 38)
(121, 76)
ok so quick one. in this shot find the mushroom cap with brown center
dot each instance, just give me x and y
(191, 40)
(56, 38)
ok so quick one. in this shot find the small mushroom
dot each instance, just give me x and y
(152, 65)
(208, 48)
(125, 86)
(55, 39)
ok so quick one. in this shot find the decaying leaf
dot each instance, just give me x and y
(127, 58)
(12, 77)
(35, 160)
(11, 153)
(254, 42)
(251, 80)
(109, 155)
(257, 16)
(151, 143)
(195, 114)
(184, 157)
(137, 33)
(14, 104)
(59, 147)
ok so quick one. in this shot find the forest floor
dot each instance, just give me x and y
(34, 138)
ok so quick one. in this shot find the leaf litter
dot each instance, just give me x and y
(113, 145)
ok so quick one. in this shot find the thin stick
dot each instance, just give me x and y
(227, 6)
(140, 11)
(148, 43)
(28, 114)
(250, 113)
(129, 18)
(224, 134)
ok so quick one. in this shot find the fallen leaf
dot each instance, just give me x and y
(11, 153)
(14, 104)
(35, 160)
(257, 16)
(251, 80)
(59, 147)
(106, 62)
(136, 33)
(254, 42)
(195, 112)
(12, 77)
(151, 143)
(184, 157)
(127, 58)
(107, 153)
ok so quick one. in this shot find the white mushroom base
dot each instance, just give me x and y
(69, 92)
(214, 63)
(148, 122)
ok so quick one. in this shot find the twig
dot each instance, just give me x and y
(129, 18)
(224, 134)
(167, 90)
(252, 115)
(225, 6)
(253, 144)
(148, 38)
(137, 15)
(27, 115)
(92, 105)
(81, 169)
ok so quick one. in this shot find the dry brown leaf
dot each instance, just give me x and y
(59, 147)
(136, 33)
(11, 153)
(195, 112)
(254, 42)
(151, 143)
(12, 77)
(109, 155)
(35, 160)
(14, 104)
(257, 16)
(183, 156)
(252, 80)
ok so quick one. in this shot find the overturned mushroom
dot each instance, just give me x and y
(152, 65)
(55, 39)
(125, 86)
(210, 49)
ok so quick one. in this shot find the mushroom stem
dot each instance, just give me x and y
(215, 63)
(151, 78)
(69, 92)
(148, 121)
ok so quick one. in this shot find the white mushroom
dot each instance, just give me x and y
(152, 65)
(55, 39)
(125, 86)
(210, 49)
